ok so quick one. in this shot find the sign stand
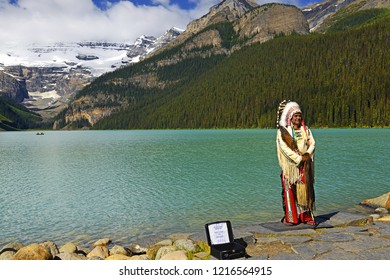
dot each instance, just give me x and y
(221, 241)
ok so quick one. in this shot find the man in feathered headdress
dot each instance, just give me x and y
(295, 149)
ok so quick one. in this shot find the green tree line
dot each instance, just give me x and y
(341, 79)
(14, 116)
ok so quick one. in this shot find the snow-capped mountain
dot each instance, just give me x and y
(145, 45)
(97, 57)
(53, 73)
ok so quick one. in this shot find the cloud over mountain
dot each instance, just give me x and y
(75, 20)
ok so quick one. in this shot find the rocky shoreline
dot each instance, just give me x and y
(337, 236)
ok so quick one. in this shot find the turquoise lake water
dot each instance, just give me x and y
(84, 185)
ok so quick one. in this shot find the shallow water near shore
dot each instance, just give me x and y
(127, 185)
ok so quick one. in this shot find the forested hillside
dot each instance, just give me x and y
(14, 116)
(341, 79)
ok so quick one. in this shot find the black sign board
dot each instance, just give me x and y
(222, 243)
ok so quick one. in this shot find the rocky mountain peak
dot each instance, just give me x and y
(236, 7)
(227, 10)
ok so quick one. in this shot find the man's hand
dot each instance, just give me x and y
(305, 157)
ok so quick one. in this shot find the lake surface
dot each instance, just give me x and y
(84, 185)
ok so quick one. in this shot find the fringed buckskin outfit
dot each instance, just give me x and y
(295, 150)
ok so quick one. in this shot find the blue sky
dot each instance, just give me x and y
(185, 4)
(108, 20)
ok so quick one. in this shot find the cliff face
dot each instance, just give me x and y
(263, 23)
(229, 10)
(13, 87)
(251, 23)
(228, 27)
(321, 15)
(43, 89)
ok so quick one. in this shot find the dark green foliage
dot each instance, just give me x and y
(14, 116)
(340, 79)
(225, 29)
(359, 18)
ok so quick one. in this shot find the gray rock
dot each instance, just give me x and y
(164, 251)
(383, 228)
(244, 235)
(99, 251)
(14, 246)
(312, 249)
(69, 256)
(365, 243)
(185, 244)
(137, 249)
(376, 254)
(339, 254)
(356, 230)
(176, 255)
(68, 248)
(258, 229)
(286, 256)
(375, 216)
(265, 240)
(119, 250)
(335, 237)
(102, 242)
(381, 210)
(52, 247)
(260, 257)
(7, 255)
(348, 219)
(332, 230)
(295, 239)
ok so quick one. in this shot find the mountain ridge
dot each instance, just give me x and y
(46, 77)
(167, 72)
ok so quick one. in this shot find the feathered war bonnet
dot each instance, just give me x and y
(286, 110)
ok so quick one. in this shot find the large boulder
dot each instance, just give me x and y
(70, 256)
(15, 246)
(102, 242)
(176, 255)
(137, 249)
(164, 251)
(119, 250)
(380, 201)
(119, 257)
(100, 252)
(185, 244)
(68, 248)
(33, 252)
(52, 247)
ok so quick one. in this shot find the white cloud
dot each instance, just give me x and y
(77, 20)
(74, 20)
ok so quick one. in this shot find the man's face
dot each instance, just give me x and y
(296, 119)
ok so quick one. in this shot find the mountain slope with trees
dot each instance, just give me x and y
(342, 79)
(14, 116)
